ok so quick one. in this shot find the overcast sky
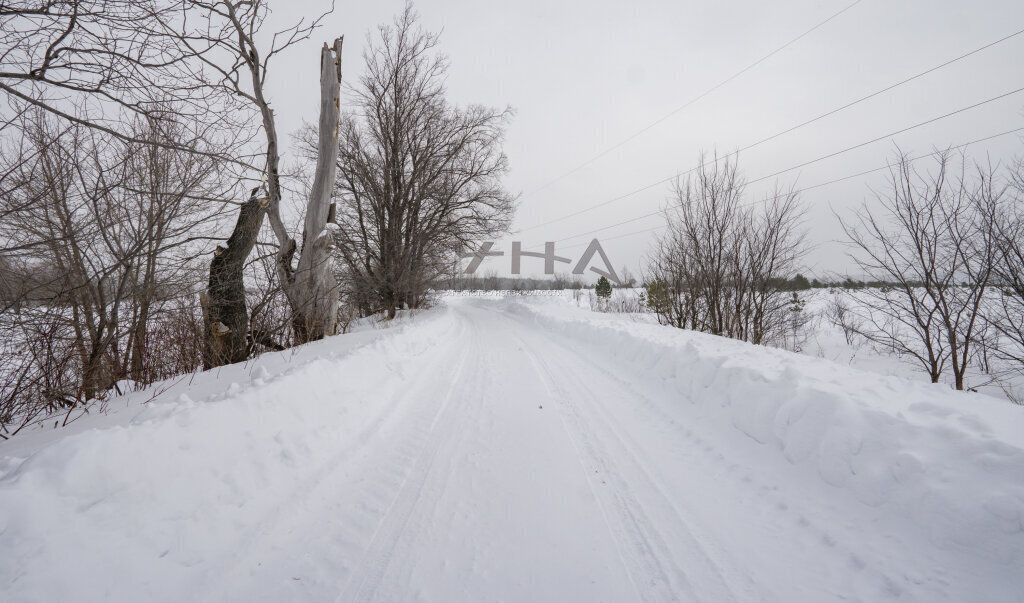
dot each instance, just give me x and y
(583, 75)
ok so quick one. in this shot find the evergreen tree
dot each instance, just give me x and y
(603, 288)
(799, 283)
(656, 296)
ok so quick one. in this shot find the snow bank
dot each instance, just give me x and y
(129, 506)
(917, 456)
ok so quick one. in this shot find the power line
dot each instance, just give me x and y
(907, 129)
(622, 236)
(806, 188)
(878, 92)
(796, 191)
(806, 163)
(690, 102)
(791, 129)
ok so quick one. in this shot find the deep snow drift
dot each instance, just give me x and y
(522, 450)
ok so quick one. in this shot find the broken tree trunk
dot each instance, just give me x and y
(313, 290)
(225, 318)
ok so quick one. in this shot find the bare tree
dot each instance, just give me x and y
(419, 178)
(668, 293)
(107, 65)
(225, 316)
(123, 118)
(222, 36)
(104, 233)
(176, 203)
(935, 243)
(719, 266)
(103, 63)
(772, 249)
(710, 227)
(314, 289)
(627, 278)
(838, 311)
(1008, 313)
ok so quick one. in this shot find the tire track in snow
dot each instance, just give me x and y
(282, 518)
(367, 579)
(787, 511)
(648, 557)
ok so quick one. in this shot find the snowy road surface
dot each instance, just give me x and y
(493, 450)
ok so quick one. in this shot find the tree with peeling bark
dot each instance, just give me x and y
(225, 316)
(313, 288)
(222, 37)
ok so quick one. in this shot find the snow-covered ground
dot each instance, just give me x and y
(818, 336)
(522, 449)
(824, 339)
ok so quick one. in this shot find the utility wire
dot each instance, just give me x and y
(689, 102)
(822, 158)
(796, 191)
(877, 92)
(621, 236)
(907, 129)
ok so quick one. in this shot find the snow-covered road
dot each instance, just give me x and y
(493, 451)
(523, 485)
